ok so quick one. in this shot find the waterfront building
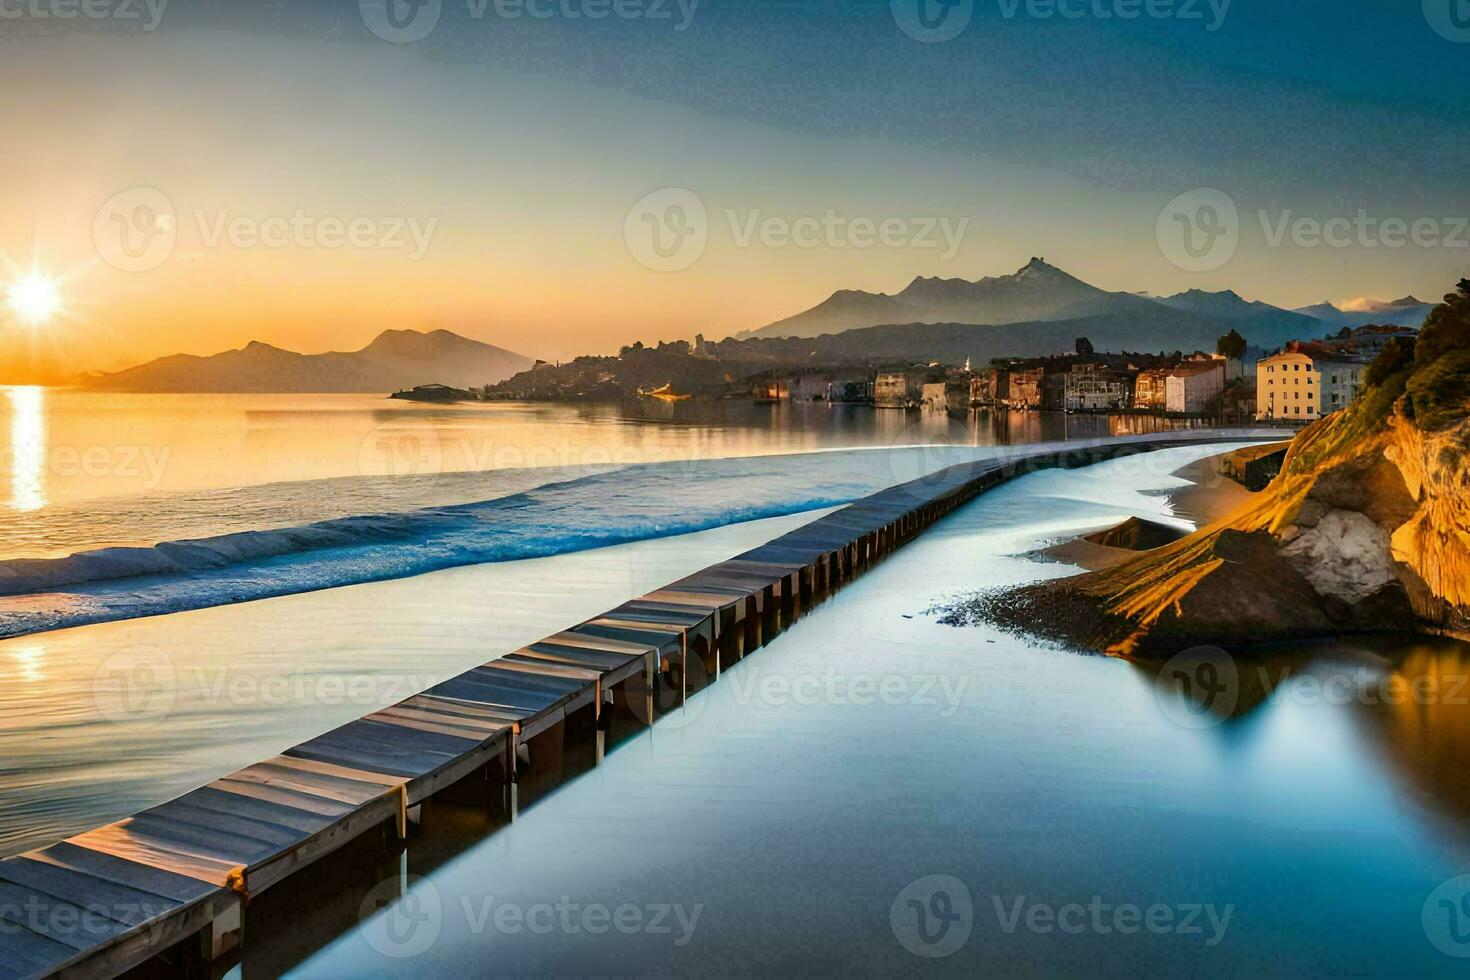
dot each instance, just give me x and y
(1300, 384)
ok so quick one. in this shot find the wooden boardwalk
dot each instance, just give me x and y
(107, 900)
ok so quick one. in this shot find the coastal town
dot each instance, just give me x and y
(1236, 383)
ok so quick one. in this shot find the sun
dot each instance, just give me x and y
(34, 298)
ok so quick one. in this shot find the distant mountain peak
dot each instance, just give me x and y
(396, 359)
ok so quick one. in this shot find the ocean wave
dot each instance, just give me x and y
(627, 504)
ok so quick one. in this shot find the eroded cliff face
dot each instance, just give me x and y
(1434, 543)
(1367, 528)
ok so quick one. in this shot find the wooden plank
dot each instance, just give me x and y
(118, 842)
(305, 783)
(479, 692)
(79, 927)
(368, 783)
(258, 788)
(233, 823)
(365, 760)
(505, 714)
(24, 953)
(523, 678)
(142, 877)
(378, 752)
(215, 800)
(195, 841)
(124, 903)
(424, 720)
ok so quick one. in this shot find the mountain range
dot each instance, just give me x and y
(397, 359)
(1041, 293)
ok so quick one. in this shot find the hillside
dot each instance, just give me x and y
(1040, 293)
(1139, 325)
(1367, 528)
(1406, 312)
(1036, 291)
(396, 359)
(1261, 323)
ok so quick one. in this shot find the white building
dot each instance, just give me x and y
(1297, 386)
(1194, 387)
(1094, 388)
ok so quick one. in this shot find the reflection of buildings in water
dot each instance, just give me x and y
(1142, 425)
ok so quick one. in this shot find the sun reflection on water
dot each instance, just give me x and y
(27, 661)
(27, 456)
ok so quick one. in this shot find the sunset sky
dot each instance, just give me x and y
(516, 148)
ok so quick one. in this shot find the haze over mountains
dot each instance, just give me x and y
(396, 359)
(1041, 293)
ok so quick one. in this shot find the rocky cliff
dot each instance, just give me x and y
(1367, 528)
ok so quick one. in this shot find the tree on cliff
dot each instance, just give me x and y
(1435, 372)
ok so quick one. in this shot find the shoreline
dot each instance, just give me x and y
(1210, 497)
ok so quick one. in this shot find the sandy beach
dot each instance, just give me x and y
(1210, 496)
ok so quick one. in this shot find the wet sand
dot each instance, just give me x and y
(1213, 495)
(1210, 497)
